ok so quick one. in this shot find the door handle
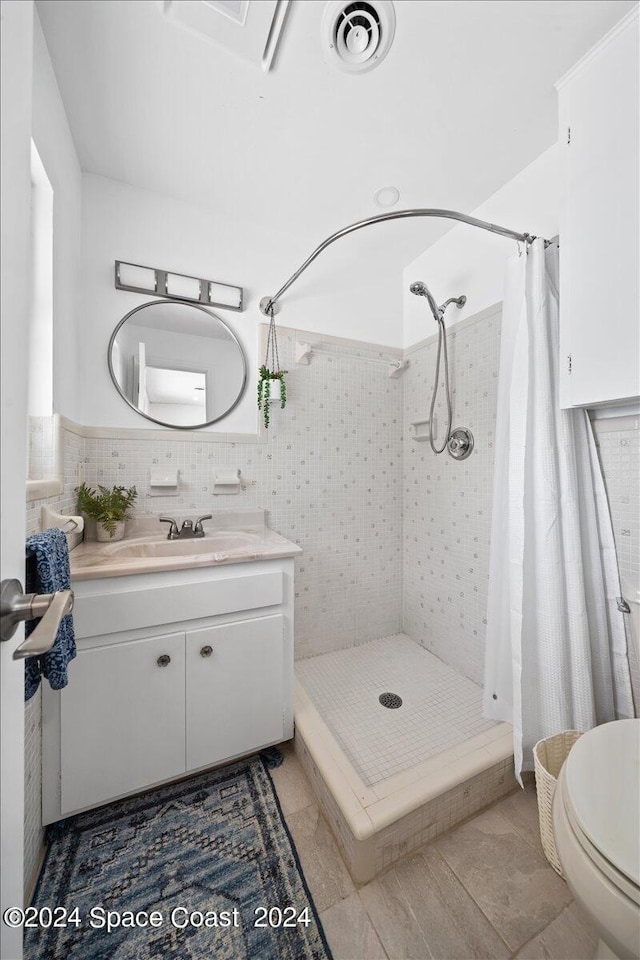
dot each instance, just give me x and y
(16, 606)
(206, 651)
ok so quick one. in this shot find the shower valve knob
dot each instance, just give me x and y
(460, 443)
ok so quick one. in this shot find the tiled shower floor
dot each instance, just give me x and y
(440, 708)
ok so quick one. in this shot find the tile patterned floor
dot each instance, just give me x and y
(482, 891)
(440, 708)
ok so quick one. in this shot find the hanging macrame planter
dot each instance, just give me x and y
(271, 384)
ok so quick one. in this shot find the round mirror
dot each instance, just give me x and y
(177, 364)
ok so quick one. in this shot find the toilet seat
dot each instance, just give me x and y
(623, 883)
(594, 841)
(602, 798)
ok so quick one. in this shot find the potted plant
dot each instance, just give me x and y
(271, 389)
(109, 507)
(271, 385)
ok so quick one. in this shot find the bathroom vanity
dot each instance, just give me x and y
(185, 660)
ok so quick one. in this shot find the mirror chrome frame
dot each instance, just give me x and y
(162, 423)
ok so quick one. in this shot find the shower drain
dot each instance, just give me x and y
(390, 700)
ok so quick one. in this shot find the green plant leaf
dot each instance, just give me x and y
(106, 505)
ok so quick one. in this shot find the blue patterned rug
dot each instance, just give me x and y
(203, 859)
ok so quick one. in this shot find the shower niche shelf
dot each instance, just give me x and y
(422, 429)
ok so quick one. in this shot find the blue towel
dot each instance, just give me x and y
(48, 571)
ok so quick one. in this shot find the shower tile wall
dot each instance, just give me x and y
(447, 503)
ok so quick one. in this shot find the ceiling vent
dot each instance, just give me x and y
(358, 35)
(247, 28)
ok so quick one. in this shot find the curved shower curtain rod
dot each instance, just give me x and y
(267, 304)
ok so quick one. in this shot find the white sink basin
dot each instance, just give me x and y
(226, 541)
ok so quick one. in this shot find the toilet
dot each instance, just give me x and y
(596, 829)
(596, 823)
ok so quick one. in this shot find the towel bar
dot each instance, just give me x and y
(16, 605)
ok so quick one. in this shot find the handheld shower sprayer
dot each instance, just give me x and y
(461, 445)
(420, 289)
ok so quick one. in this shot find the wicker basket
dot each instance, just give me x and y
(549, 755)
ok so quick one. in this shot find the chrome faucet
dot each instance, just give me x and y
(174, 533)
(188, 530)
(198, 530)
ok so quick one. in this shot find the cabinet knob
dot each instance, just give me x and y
(164, 660)
(206, 651)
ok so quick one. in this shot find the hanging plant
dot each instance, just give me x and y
(271, 383)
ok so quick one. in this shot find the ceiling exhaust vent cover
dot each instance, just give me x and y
(248, 29)
(358, 35)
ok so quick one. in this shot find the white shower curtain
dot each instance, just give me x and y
(556, 654)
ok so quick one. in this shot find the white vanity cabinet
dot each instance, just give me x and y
(175, 672)
(234, 689)
(599, 253)
(122, 719)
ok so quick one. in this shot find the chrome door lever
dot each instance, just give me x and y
(16, 606)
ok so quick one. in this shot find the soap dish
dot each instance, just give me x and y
(422, 428)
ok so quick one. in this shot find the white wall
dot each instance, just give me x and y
(472, 261)
(15, 193)
(125, 223)
(52, 137)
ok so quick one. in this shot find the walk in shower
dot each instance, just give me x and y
(394, 772)
(389, 727)
(425, 706)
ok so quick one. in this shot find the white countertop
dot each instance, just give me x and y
(92, 560)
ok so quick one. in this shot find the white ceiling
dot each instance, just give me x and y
(463, 101)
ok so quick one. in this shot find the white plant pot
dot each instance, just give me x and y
(104, 536)
(275, 390)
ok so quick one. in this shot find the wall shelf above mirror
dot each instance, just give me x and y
(177, 364)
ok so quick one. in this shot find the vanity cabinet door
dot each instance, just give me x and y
(122, 719)
(235, 689)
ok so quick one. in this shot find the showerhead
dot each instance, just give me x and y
(420, 289)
